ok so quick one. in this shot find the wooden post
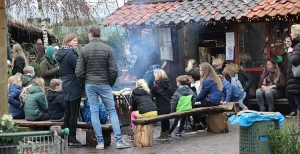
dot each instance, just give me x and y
(143, 136)
(217, 123)
(3, 60)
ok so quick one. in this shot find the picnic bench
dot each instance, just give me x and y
(217, 122)
(276, 101)
(90, 135)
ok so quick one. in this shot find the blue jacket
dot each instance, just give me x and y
(67, 60)
(231, 93)
(209, 92)
(13, 99)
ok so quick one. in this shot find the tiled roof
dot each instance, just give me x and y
(199, 10)
(275, 7)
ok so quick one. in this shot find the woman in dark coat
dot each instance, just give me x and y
(72, 90)
(293, 83)
(162, 91)
(19, 60)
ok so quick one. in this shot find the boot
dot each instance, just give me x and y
(164, 136)
(73, 142)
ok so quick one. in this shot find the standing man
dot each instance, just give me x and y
(97, 69)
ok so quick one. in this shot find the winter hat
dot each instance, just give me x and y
(49, 53)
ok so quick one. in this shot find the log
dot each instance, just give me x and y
(143, 136)
(217, 123)
(206, 110)
(3, 62)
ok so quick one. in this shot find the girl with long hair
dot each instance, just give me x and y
(211, 87)
(192, 63)
(142, 103)
(19, 60)
(271, 85)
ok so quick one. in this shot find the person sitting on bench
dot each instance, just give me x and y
(211, 87)
(14, 91)
(142, 103)
(57, 104)
(36, 105)
(182, 101)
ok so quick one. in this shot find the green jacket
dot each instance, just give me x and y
(183, 99)
(48, 71)
(26, 80)
(35, 103)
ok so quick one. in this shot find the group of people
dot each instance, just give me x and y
(66, 77)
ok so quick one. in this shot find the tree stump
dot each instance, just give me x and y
(217, 123)
(143, 135)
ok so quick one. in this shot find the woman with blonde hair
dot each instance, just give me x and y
(72, 90)
(192, 63)
(162, 91)
(271, 85)
(36, 105)
(293, 83)
(211, 87)
(19, 60)
(14, 91)
(142, 104)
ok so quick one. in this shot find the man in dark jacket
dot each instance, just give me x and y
(97, 69)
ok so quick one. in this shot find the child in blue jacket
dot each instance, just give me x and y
(232, 93)
(14, 91)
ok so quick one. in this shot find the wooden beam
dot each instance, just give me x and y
(214, 109)
(3, 62)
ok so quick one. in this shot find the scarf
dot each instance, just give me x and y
(269, 77)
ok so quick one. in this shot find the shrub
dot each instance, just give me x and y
(285, 140)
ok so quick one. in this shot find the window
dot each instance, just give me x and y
(252, 43)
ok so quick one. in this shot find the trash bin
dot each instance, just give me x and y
(254, 139)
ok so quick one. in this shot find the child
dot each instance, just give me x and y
(162, 91)
(232, 94)
(194, 79)
(28, 76)
(36, 105)
(142, 103)
(86, 113)
(15, 105)
(182, 101)
(211, 87)
(56, 101)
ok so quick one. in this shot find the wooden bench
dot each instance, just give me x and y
(277, 101)
(217, 122)
(90, 135)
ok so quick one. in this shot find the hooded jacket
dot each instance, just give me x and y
(162, 91)
(14, 101)
(48, 67)
(26, 80)
(67, 59)
(231, 93)
(183, 99)
(209, 92)
(56, 104)
(142, 101)
(35, 103)
(19, 64)
(293, 84)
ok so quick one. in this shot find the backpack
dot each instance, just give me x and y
(87, 113)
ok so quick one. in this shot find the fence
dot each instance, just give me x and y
(122, 107)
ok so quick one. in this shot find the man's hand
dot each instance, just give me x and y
(290, 50)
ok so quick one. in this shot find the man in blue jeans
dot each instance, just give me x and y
(97, 69)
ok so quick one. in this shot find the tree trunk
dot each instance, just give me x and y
(143, 136)
(44, 25)
(3, 62)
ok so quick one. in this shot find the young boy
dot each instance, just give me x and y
(56, 102)
(194, 79)
(28, 76)
(182, 101)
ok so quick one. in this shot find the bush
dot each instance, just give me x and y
(285, 140)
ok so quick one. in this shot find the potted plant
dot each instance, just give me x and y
(9, 144)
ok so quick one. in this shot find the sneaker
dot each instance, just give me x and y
(74, 143)
(130, 138)
(122, 145)
(100, 146)
(178, 133)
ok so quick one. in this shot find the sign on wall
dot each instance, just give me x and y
(230, 46)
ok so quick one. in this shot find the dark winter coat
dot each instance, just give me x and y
(183, 99)
(97, 64)
(48, 71)
(280, 85)
(35, 103)
(19, 64)
(142, 101)
(245, 79)
(67, 59)
(14, 101)
(209, 92)
(231, 93)
(56, 104)
(162, 91)
(293, 84)
(26, 80)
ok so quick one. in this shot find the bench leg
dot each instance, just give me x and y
(143, 135)
(217, 123)
(91, 140)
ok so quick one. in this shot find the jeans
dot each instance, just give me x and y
(292, 103)
(149, 78)
(241, 102)
(71, 113)
(181, 126)
(165, 125)
(270, 95)
(105, 92)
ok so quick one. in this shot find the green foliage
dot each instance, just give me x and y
(7, 126)
(285, 140)
(36, 69)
